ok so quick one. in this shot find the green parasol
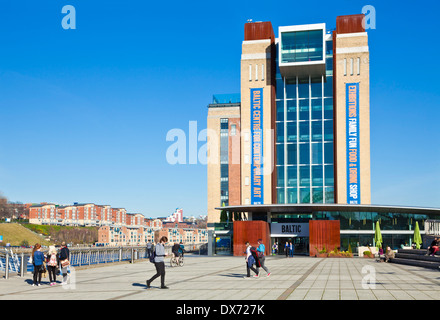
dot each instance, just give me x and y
(378, 236)
(417, 236)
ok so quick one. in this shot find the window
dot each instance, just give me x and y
(302, 46)
(233, 129)
(351, 66)
(250, 72)
(262, 72)
(358, 66)
(345, 66)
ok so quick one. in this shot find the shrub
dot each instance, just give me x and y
(367, 253)
(324, 250)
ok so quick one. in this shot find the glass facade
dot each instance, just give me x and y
(301, 46)
(304, 126)
(364, 223)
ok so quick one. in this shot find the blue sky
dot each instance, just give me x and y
(85, 112)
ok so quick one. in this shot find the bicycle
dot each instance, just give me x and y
(174, 263)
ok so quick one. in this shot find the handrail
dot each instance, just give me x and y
(18, 262)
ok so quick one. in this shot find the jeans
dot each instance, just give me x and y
(52, 273)
(249, 268)
(262, 259)
(37, 274)
(160, 271)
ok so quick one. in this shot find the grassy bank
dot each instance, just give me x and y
(16, 235)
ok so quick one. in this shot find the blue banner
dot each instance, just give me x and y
(257, 146)
(353, 168)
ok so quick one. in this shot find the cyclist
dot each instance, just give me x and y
(176, 251)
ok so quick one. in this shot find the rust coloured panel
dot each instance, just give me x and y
(350, 23)
(324, 233)
(250, 231)
(259, 31)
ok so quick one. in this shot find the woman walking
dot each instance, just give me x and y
(159, 263)
(37, 261)
(52, 263)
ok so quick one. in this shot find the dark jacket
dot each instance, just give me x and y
(64, 254)
(255, 255)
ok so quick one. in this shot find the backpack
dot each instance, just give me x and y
(52, 261)
(152, 256)
(254, 253)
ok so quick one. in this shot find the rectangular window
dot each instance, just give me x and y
(280, 176)
(262, 72)
(301, 46)
(304, 153)
(358, 66)
(351, 66)
(256, 72)
(292, 195)
(280, 195)
(345, 66)
(292, 176)
(292, 153)
(250, 72)
(233, 129)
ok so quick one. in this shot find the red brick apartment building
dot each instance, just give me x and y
(117, 227)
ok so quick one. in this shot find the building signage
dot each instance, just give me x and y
(289, 229)
(257, 196)
(353, 169)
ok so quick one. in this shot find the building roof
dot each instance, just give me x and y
(309, 208)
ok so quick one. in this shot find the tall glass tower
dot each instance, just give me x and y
(304, 115)
(299, 133)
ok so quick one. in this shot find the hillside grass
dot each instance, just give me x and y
(15, 234)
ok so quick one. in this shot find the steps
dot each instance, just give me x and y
(416, 258)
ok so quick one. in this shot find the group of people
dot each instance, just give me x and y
(289, 249)
(255, 256)
(387, 255)
(51, 263)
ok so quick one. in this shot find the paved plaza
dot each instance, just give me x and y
(222, 278)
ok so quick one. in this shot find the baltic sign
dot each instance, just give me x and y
(289, 229)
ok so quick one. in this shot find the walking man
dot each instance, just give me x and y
(149, 246)
(250, 260)
(159, 263)
(261, 249)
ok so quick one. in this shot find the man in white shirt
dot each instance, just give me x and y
(250, 260)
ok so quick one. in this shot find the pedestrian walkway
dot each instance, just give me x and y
(222, 278)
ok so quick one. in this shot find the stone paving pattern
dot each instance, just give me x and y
(222, 278)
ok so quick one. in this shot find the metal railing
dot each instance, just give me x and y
(432, 227)
(18, 263)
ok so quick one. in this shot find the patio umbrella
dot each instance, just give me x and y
(417, 236)
(378, 236)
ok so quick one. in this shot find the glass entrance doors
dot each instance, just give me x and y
(300, 245)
